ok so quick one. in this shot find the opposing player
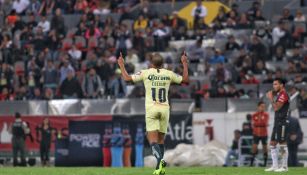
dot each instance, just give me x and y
(157, 82)
(280, 102)
(260, 121)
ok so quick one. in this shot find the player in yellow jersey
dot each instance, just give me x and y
(157, 82)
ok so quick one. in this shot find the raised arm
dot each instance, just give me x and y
(185, 75)
(121, 65)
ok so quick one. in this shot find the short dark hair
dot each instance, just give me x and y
(280, 80)
(260, 103)
(237, 131)
(17, 115)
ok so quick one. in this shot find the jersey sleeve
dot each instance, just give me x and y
(283, 98)
(176, 78)
(137, 77)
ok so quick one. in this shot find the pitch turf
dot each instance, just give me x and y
(145, 171)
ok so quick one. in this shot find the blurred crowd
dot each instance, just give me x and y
(43, 58)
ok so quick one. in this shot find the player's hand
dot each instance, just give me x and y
(120, 60)
(269, 95)
(184, 58)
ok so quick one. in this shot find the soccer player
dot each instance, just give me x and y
(260, 121)
(280, 102)
(157, 82)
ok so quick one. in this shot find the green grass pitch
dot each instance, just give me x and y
(145, 171)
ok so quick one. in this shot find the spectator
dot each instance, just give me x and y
(161, 34)
(80, 6)
(294, 139)
(5, 95)
(146, 10)
(49, 95)
(141, 23)
(50, 76)
(221, 16)
(36, 95)
(291, 67)
(58, 23)
(65, 69)
(11, 18)
(269, 79)
(196, 52)
(32, 22)
(217, 58)
(34, 7)
(199, 14)
(46, 7)
(92, 31)
(20, 6)
(250, 79)
(252, 12)
(70, 87)
(258, 16)
(279, 54)
(243, 21)
(92, 85)
(178, 26)
(286, 15)
(296, 55)
(102, 9)
(21, 94)
(52, 43)
(123, 41)
(300, 17)
(278, 33)
(260, 68)
(232, 91)
(232, 45)
(117, 85)
(258, 50)
(6, 74)
(233, 151)
(44, 24)
(132, 58)
(75, 53)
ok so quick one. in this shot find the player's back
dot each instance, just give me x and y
(157, 83)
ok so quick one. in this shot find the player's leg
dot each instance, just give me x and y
(152, 128)
(164, 121)
(274, 151)
(161, 137)
(254, 149)
(265, 150)
(283, 148)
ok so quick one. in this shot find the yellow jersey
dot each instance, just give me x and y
(157, 83)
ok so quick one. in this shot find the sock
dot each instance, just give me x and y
(265, 157)
(253, 158)
(157, 153)
(274, 155)
(284, 155)
(162, 150)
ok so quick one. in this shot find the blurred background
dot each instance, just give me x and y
(58, 71)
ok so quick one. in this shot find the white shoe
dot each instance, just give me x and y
(271, 169)
(282, 169)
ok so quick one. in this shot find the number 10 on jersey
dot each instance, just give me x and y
(161, 94)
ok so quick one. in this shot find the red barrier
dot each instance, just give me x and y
(59, 123)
